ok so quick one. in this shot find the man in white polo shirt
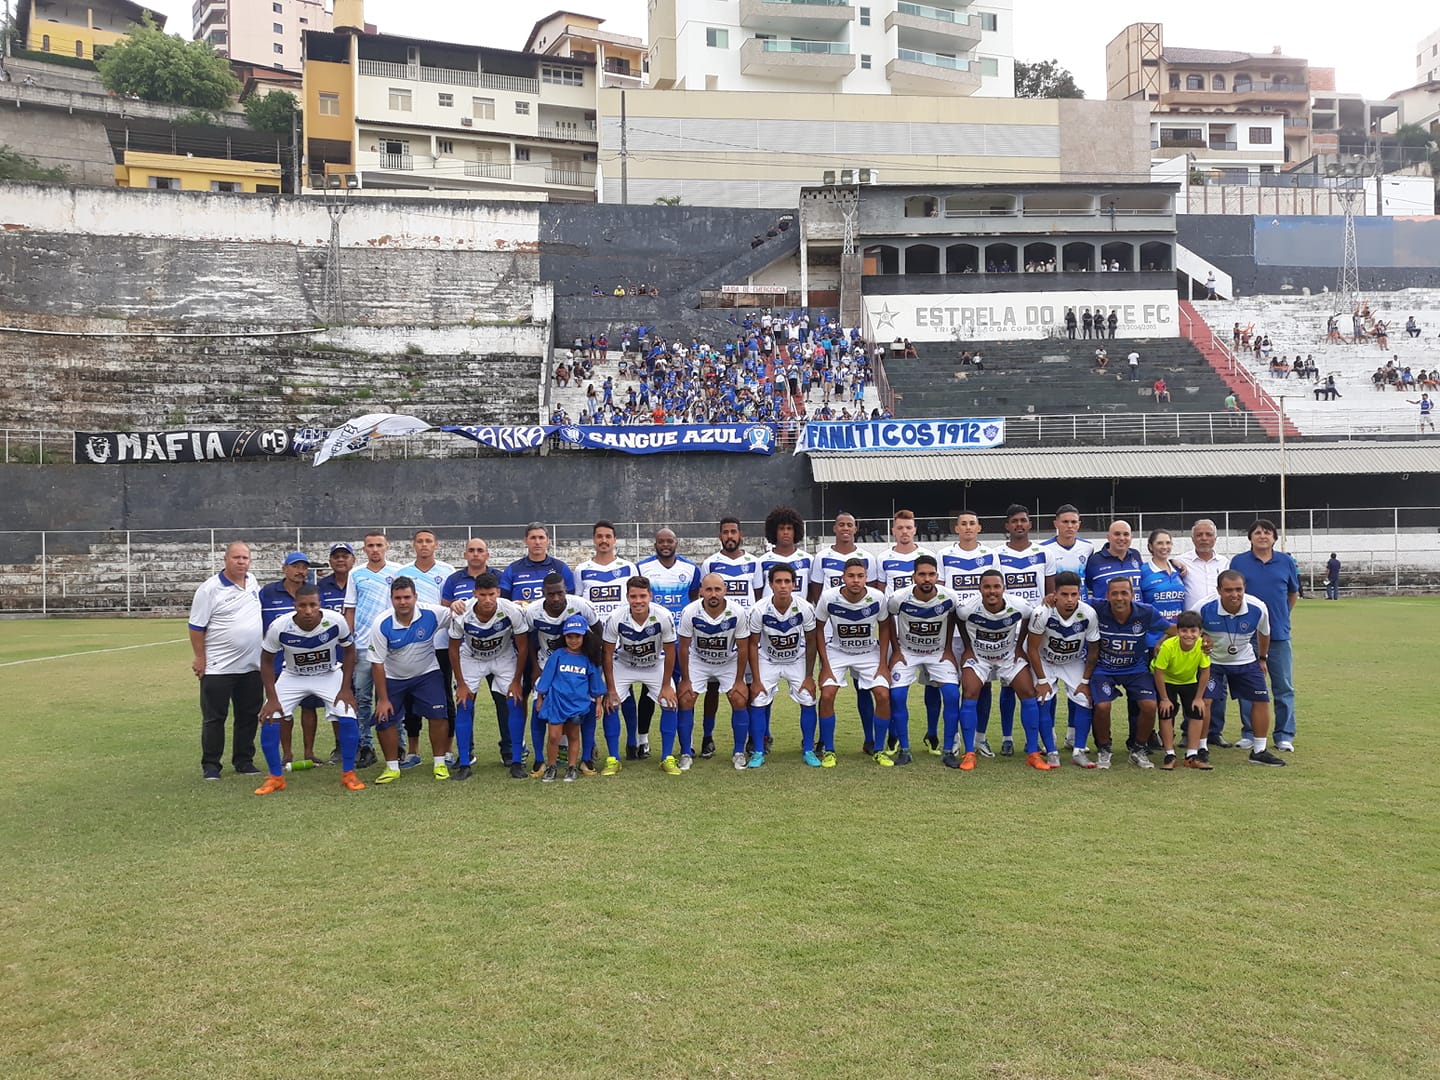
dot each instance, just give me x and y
(1203, 567)
(225, 638)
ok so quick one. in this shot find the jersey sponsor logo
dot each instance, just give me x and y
(737, 586)
(1064, 647)
(712, 644)
(641, 653)
(605, 594)
(784, 642)
(854, 631)
(925, 629)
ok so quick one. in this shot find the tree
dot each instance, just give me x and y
(16, 166)
(161, 67)
(1410, 144)
(273, 112)
(1045, 79)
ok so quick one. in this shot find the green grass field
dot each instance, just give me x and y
(854, 922)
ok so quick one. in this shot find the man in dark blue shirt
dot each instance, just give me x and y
(461, 584)
(1123, 664)
(1272, 577)
(524, 579)
(332, 586)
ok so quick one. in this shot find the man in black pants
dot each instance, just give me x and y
(225, 638)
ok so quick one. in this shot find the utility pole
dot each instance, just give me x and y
(624, 156)
(295, 183)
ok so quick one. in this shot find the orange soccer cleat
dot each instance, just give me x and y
(350, 782)
(967, 763)
(272, 783)
(1037, 761)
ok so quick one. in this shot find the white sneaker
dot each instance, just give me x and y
(685, 762)
(1286, 745)
(1246, 744)
(1102, 759)
(1069, 739)
(982, 747)
(1082, 759)
(1053, 759)
(740, 761)
(1141, 759)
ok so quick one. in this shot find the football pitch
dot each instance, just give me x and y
(855, 922)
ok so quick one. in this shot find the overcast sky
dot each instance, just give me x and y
(1371, 45)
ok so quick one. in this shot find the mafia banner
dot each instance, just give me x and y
(201, 444)
(511, 438)
(674, 438)
(872, 435)
(1018, 315)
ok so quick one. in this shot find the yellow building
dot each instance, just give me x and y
(184, 172)
(72, 28)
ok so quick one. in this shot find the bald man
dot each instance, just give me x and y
(225, 637)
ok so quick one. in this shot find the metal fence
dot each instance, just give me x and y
(1382, 550)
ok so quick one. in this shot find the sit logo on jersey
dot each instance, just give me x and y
(310, 661)
(1065, 646)
(738, 586)
(712, 644)
(1016, 579)
(610, 593)
(926, 629)
(784, 643)
(856, 631)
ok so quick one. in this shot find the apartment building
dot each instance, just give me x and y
(263, 32)
(620, 60)
(946, 48)
(1427, 59)
(75, 29)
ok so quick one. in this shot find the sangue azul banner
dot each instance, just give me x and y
(674, 438)
(872, 435)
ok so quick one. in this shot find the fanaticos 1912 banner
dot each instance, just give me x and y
(202, 444)
(872, 435)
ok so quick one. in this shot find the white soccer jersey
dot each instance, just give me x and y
(797, 560)
(994, 634)
(738, 574)
(922, 627)
(1025, 571)
(672, 587)
(428, 583)
(714, 639)
(368, 592)
(1064, 641)
(854, 625)
(782, 634)
(550, 629)
(1232, 635)
(491, 639)
(409, 651)
(1072, 558)
(640, 646)
(827, 569)
(960, 570)
(317, 651)
(603, 584)
(897, 568)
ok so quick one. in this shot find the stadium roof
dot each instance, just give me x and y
(1127, 463)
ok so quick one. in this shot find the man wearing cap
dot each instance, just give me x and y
(332, 598)
(277, 599)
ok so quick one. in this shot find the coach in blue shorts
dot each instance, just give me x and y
(1123, 664)
(407, 675)
(1238, 626)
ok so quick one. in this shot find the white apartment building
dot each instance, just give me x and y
(262, 32)
(945, 48)
(1427, 59)
(1219, 146)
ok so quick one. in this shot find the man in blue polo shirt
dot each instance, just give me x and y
(332, 586)
(1272, 577)
(524, 579)
(1117, 559)
(1123, 664)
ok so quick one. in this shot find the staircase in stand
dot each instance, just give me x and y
(1251, 395)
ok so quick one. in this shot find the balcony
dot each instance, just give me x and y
(931, 73)
(1255, 93)
(1297, 123)
(567, 132)
(806, 61)
(397, 162)
(796, 16)
(934, 28)
(448, 77)
(483, 170)
(570, 178)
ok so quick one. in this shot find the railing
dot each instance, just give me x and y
(569, 178)
(930, 59)
(1297, 122)
(403, 162)
(483, 169)
(449, 76)
(1223, 144)
(813, 3)
(571, 132)
(925, 11)
(818, 48)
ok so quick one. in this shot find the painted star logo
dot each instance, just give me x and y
(885, 317)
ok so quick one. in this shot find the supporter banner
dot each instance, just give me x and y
(871, 435)
(213, 444)
(674, 438)
(501, 437)
(358, 433)
(1018, 315)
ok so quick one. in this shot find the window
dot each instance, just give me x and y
(864, 16)
(80, 49)
(445, 146)
(986, 65)
(1260, 136)
(522, 153)
(522, 108)
(225, 185)
(561, 76)
(482, 108)
(278, 9)
(1194, 82)
(279, 48)
(165, 183)
(1217, 82)
(277, 28)
(218, 37)
(329, 105)
(447, 101)
(717, 38)
(44, 42)
(1242, 84)
(399, 100)
(864, 61)
(989, 21)
(1174, 82)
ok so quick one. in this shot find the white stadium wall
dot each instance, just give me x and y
(1016, 315)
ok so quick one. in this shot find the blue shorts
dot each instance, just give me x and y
(422, 696)
(579, 719)
(1138, 686)
(1246, 682)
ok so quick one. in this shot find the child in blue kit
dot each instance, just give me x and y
(571, 687)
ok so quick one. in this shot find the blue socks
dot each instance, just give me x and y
(669, 723)
(347, 734)
(686, 731)
(1030, 721)
(464, 731)
(759, 725)
(807, 727)
(1007, 712)
(950, 702)
(740, 728)
(270, 746)
(612, 733)
(516, 713)
(708, 728)
(969, 721)
(587, 736)
(1081, 716)
(982, 710)
(827, 734)
(865, 706)
(899, 717)
(932, 711)
(632, 722)
(538, 735)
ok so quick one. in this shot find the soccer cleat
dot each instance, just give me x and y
(571, 774)
(827, 760)
(1007, 747)
(1053, 759)
(739, 761)
(642, 752)
(880, 757)
(902, 757)
(1264, 757)
(548, 776)
(811, 758)
(1197, 762)
(1221, 743)
(518, 772)
(409, 761)
(1102, 759)
(757, 760)
(612, 767)
(950, 760)
(442, 771)
(272, 783)
(967, 763)
(451, 757)
(387, 775)
(460, 772)
(1154, 745)
(210, 772)
(1069, 739)
(539, 770)
(365, 758)
(632, 753)
(1169, 762)
(1285, 745)
(669, 766)
(1246, 743)
(587, 768)
(335, 758)
(982, 747)
(1037, 761)
(1082, 759)
(1204, 754)
(350, 782)
(932, 744)
(686, 760)
(868, 749)
(1140, 759)
(247, 769)
(707, 748)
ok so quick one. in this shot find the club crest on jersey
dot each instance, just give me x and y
(1135, 628)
